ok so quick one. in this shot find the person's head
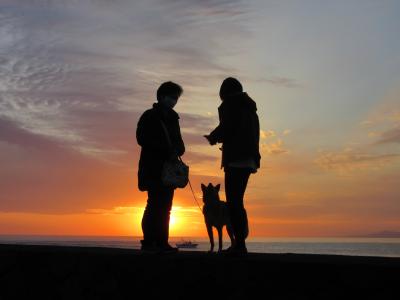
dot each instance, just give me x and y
(229, 87)
(168, 94)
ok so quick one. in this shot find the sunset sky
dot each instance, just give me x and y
(76, 75)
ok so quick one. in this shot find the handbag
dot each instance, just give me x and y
(175, 173)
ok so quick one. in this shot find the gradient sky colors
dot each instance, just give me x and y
(76, 75)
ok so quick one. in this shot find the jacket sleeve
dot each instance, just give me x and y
(224, 132)
(146, 136)
(180, 147)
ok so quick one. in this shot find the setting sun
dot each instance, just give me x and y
(184, 221)
(172, 221)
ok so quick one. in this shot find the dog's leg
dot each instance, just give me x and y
(219, 229)
(230, 233)
(211, 236)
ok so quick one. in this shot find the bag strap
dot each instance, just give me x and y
(167, 136)
(166, 133)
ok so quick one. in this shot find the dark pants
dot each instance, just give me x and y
(155, 221)
(235, 185)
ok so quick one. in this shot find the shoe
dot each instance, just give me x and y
(239, 250)
(236, 250)
(227, 250)
(167, 248)
(149, 247)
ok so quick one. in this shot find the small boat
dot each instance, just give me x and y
(187, 244)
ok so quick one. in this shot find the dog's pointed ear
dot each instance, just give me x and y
(217, 187)
(203, 187)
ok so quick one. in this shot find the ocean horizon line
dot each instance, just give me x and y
(370, 236)
(364, 246)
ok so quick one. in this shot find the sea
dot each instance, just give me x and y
(354, 246)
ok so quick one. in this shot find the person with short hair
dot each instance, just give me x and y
(155, 151)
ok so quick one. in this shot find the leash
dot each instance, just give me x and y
(194, 196)
(191, 188)
(170, 144)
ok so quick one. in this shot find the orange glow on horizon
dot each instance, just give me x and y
(184, 221)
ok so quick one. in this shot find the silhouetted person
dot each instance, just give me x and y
(155, 151)
(239, 133)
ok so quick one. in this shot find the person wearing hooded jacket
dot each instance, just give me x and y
(239, 133)
(155, 151)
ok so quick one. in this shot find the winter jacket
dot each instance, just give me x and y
(238, 130)
(151, 136)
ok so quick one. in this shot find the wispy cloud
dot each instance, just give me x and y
(198, 158)
(350, 160)
(281, 81)
(391, 136)
(74, 79)
(274, 148)
(130, 210)
(266, 134)
(76, 75)
(42, 174)
(73, 82)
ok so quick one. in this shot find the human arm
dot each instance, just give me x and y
(226, 127)
(180, 145)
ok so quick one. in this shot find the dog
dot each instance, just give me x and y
(216, 215)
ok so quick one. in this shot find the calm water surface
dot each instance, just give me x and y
(389, 247)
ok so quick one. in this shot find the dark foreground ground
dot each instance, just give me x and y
(50, 272)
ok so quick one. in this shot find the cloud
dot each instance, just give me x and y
(267, 133)
(395, 117)
(43, 77)
(351, 160)
(194, 126)
(390, 136)
(198, 158)
(86, 79)
(275, 148)
(43, 174)
(207, 8)
(106, 131)
(119, 210)
(384, 122)
(197, 122)
(194, 139)
(387, 112)
(372, 200)
(281, 81)
(130, 210)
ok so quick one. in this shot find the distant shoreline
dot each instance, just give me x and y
(62, 272)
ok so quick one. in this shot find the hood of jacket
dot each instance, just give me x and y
(239, 101)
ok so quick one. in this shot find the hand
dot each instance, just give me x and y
(209, 139)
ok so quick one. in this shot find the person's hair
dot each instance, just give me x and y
(230, 86)
(169, 88)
